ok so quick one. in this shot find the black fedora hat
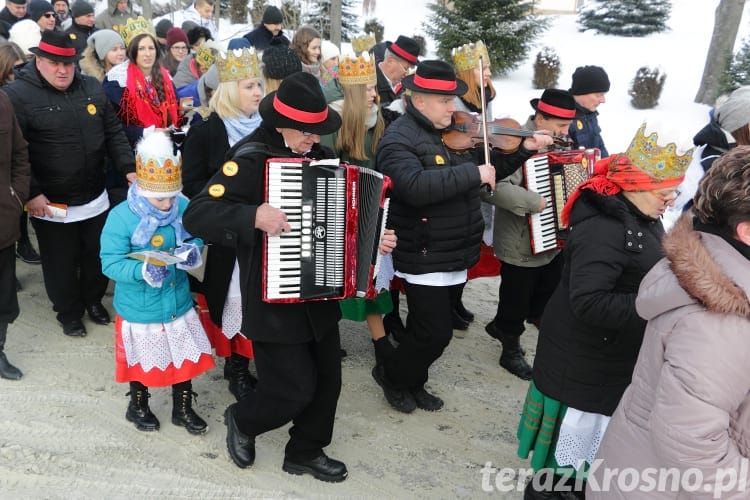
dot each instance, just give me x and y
(556, 102)
(300, 104)
(435, 77)
(56, 46)
(406, 48)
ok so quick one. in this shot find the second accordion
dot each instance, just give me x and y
(555, 175)
(337, 213)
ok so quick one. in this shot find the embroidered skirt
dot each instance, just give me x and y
(161, 354)
(548, 434)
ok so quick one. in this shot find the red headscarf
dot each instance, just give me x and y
(614, 174)
(140, 104)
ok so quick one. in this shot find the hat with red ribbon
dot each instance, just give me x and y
(556, 103)
(435, 77)
(406, 48)
(56, 46)
(299, 104)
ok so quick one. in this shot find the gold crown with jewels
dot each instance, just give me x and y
(239, 64)
(134, 27)
(363, 43)
(158, 169)
(205, 56)
(357, 71)
(467, 56)
(659, 162)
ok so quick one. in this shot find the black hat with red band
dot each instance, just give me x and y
(299, 104)
(406, 48)
(556, 103)
(435, 77)
(56, 46)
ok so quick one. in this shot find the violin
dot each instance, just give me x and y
(504, 134)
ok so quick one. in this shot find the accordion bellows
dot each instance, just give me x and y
(359, 71)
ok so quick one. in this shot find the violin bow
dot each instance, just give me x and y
(486, 145)
(484, 112)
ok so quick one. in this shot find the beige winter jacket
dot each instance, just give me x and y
(688, 406)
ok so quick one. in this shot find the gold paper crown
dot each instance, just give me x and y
(205, 57)
(467, 56)
(238, 65)
(363, 43)
(158, 170)
(659, 162)
(134, 27)
(357, 71)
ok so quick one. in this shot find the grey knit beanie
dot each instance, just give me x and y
(103, 40)
(733, 111)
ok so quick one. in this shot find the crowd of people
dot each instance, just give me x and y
(139, 155)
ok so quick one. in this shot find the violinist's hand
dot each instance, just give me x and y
(388, 241)
(538, 141)
(271, 220)
(487, 173)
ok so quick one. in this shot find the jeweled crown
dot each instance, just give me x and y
(467, 56)
(363, 43)
(134, 27)
(205, 56)
(659, 162)
(357, 71)
(239, 64)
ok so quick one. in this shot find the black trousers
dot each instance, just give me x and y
(429, 329)
(70, 263)
(524, 293)
(8, 296)
(300, 383)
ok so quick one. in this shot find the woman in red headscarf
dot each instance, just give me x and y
(590, 332)
(142, 90)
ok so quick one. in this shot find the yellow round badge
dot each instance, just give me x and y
(230, 169)
(91, 108)
(73, 36)
(216, 190)
(439, 160)
(157, 240)
(579, 124)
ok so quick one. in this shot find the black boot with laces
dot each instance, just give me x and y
(138, 411)
(182, 409)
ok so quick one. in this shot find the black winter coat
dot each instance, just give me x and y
(206, 147)
(585, 131)
(261, 38)
(716, 141)
(69, 134)
(82, 33)
(9, 18)
(229, 219)
(590, 333)
(435, 204)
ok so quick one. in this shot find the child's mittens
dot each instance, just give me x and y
(192, 255)
(155, 275)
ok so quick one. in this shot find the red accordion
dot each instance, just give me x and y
(337, 213)
(555, 175)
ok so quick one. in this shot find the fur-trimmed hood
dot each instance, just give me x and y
(698, 268)
(90, 64)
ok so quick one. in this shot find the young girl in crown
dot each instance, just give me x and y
(354, 96)
(159, 339)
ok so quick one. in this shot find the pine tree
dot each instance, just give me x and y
(507, 27)
(738, 70)
(319, 17)
(625, 17)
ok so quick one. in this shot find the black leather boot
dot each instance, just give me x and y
(138, 411)
(182, 409)
(512, 357)
(7, 370)
(241, 381)
(383, 349)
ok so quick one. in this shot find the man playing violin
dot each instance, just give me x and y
(435, 210)
(527, 280)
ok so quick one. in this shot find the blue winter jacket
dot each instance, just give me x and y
(585, 131)
(135, 300)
